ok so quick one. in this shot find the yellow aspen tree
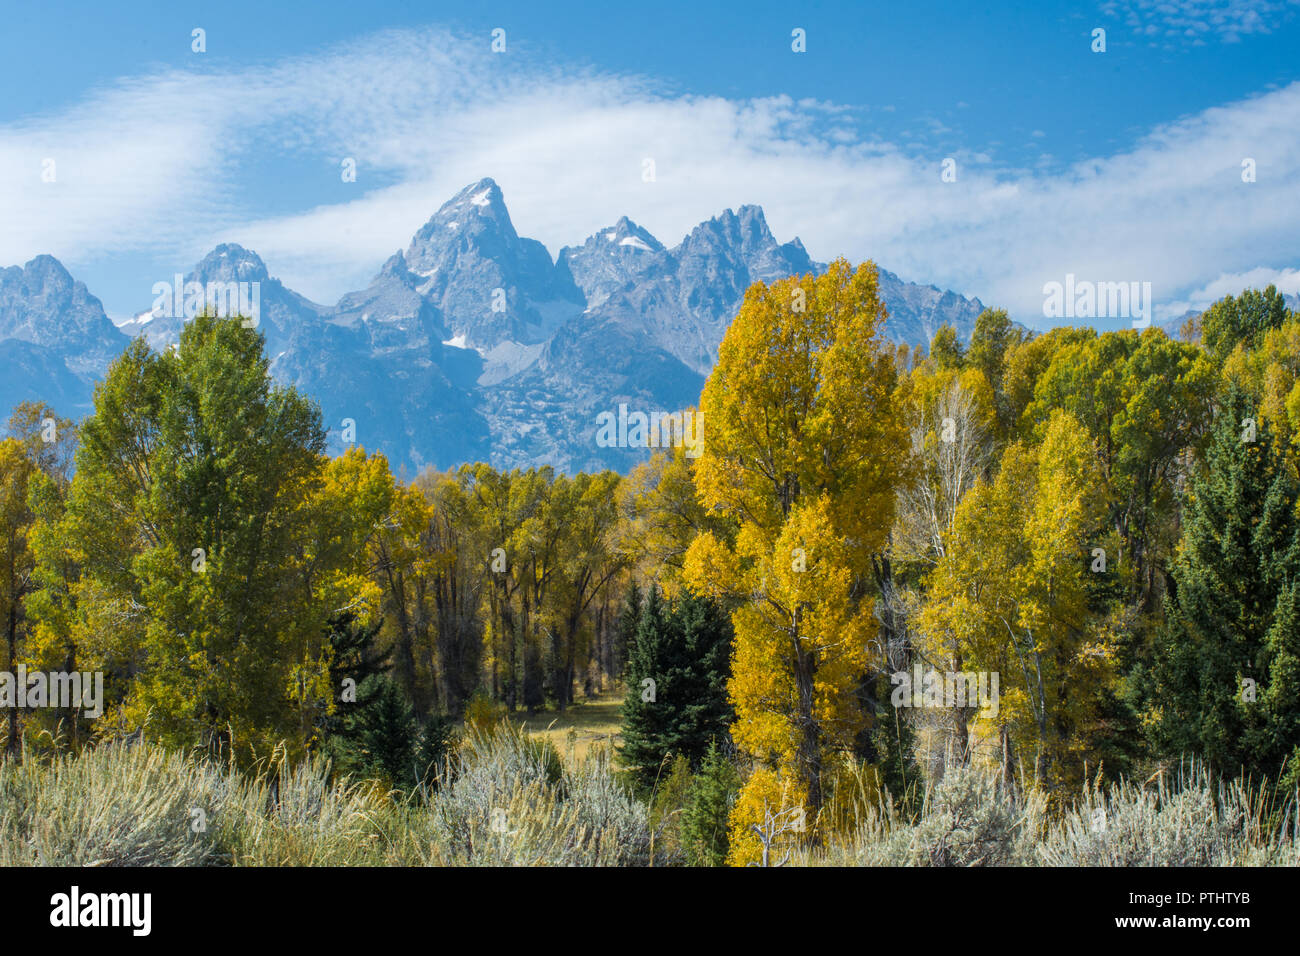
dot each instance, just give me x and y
(1009, 597)
(803, 449)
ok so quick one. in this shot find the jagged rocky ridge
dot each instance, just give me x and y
(471, 344)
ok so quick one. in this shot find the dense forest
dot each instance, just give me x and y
(1104, 522)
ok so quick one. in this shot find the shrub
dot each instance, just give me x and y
(1191, 821)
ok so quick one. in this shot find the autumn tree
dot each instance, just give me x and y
(16, 560)
(802, 450)
(35, 463)
(588, 559)
(662, 515)
(456, 549)
(951, 419)
(1010, 597)
(1269, 371)
(401, 566)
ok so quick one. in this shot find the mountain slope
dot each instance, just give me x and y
(57, 340)
(470, 344)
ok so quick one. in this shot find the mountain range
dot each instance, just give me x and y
(472, 344)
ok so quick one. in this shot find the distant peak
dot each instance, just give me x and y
(484, 194)
(627, 233)
(396, 265)
(753, 221)
(234, 252)
(477, 205)
(746, 227)
(231, 260)
(46, 265)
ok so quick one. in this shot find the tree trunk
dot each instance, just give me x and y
(12, 746)
(809, 746)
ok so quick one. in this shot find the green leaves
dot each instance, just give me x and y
(1242, 320)
(213, 534)
(1145, 400)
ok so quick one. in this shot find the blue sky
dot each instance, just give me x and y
(1117, 165)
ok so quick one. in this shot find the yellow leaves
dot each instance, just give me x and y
(1010, 595)
(360, 486)
(710, 568)
(661, 515)
(772, 803)
(803, 402)
(815, 573)
(803, 453)
(1271, 373)
(927, 386)
(761, 688)
(15, 524)
(1068, 502)
(798, 607)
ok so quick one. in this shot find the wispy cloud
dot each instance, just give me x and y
(1174, 23)
(168, 164)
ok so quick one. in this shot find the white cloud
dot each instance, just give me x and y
(1286, 280)
(169, 164)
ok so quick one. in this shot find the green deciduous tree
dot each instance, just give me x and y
(211, 543)
(1241, 320)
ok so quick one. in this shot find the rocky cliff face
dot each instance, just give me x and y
(471, 344)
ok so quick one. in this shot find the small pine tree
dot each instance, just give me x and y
(704, 817)
(677, 674)
(432, 750)
(888, 742)
(355, 657)
(626, 628)
(1275, 731)
(644, 721)
(534, 686)
(666, 809)
(387, 736)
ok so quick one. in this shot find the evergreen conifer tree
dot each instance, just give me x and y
(676, 683)
(1225, 662)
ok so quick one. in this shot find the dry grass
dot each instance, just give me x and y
(1188, 818)
(589, 725)
(505, 799)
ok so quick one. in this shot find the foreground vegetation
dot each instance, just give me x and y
(1106, 523)
(506, 799)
